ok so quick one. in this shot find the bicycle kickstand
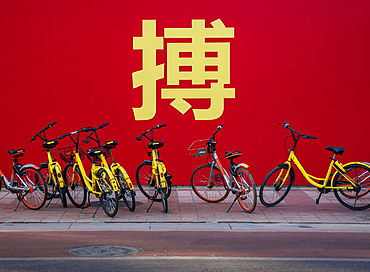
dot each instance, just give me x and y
(232, 204)
(88, 201)
(19, 202)
(318, 198)
(151, 204)
(96, 210)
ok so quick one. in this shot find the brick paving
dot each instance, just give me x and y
(185, 207)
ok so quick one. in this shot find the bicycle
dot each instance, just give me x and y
(126, 188)
(350, 182)
(211, 182)
(151, 175)
(51, 170)
(100, 182)
(26, 182)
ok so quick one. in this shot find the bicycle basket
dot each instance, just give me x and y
(198, 148)
(67, 153)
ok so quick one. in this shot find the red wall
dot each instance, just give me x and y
(305, 62)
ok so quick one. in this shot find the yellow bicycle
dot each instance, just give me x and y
(101, 181)
(350, 182)
(126, 187)
(51, 170)
(151, 175)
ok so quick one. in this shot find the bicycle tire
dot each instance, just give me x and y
(32, 179)
(248, 198)
(126, 194)
(146, 182)
(270, 195)
(75, 187)
(213, 192)
(353, 199)
(108, 198)
(164, 199)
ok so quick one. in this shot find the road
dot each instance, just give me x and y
(173, 250)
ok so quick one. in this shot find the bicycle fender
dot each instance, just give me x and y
(30, 165)
(126, 177)
(59, 177)
(112, 180)
(367, 164)
(162, 172)
(242, 165)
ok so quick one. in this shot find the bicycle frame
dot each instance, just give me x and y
(92, 184)
(158, 169)
(114, 166)
(16, 172)
(229, 180)
(315, 181)
(54, 167)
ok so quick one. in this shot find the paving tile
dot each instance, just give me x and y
(185, 206)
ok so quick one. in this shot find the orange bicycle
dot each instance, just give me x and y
(212, 183)
(26, 182)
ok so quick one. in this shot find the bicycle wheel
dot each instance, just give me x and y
(248, 197)
(75, 187)
(145, 180)
(273, 189)
(108, 198)
(62, 191)
(126, 194)
(163, 193)
(208, 183)
(34, 196)
(357, 198)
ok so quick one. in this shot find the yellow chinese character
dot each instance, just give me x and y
(201, 61)
(148, 76)
(198, 61)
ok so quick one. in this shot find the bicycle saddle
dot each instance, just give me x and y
(232, 154)
(16, 153)
(110, 144)
(336, 150)
(94, 152)
(50, 144)
(156, 145)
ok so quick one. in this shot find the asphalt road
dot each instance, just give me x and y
(191, 243)
(187, 251)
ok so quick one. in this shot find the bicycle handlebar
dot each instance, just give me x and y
(86, 140)
(85, 129)
(287, 126)
(41, 131)
(214, 133)
(68, 134)
(138, 138)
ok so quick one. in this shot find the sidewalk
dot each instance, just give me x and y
(185, 207)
